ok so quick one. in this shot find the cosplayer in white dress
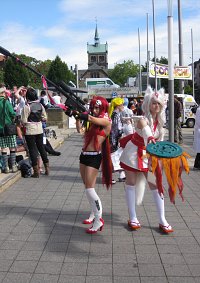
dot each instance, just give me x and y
(147, 129)
(127, 119)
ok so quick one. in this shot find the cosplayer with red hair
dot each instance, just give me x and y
(148, 128)
(95, 152)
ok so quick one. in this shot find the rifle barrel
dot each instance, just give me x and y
(72, 100)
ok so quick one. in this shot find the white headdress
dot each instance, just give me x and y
(158, 96)
(150, 94)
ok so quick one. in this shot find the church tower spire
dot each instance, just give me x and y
(96, 36)
(97, 57)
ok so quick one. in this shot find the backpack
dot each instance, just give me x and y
(194, 109)
(35, 112)
(25, 168)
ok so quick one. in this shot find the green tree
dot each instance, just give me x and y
(188, 89)
(122, 71)
(59, 71)
(40, 67)
(1, 76)
(15, 74)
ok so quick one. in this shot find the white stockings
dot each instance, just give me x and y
(131, 202)
(159, 201)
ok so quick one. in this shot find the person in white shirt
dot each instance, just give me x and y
(127, 119)
(57, 98)
(44, 99)
(20, 95)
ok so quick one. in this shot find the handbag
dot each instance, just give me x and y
(8, 129)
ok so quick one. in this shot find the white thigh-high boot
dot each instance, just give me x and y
(159, 201)
(90, 219)
(133, 222)
(97, 210)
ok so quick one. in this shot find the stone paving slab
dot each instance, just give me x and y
(42, 238)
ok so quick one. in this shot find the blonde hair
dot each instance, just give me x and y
(114, 103)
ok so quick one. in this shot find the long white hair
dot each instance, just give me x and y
(160, 97)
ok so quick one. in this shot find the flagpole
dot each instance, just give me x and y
(193, 92)
(181, 82)
(140, 76)
(170, 70)
(147, 49)
(154, 40)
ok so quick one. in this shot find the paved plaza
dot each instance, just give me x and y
(42, 238)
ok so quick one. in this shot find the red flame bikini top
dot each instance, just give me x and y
(101, 133)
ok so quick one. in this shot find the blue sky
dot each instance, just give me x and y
(46, 28)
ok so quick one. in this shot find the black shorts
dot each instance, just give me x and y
(91, 160)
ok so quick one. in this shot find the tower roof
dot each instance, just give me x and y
(96, 36)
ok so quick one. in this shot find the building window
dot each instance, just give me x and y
(93, 58)
(101, 59)
(94, 75)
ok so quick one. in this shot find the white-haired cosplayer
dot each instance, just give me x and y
(148, 128)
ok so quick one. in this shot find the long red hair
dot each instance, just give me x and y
(92, 133)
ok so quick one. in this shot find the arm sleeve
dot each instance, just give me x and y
(146, 133)
(44, 114)
(24, 114)
(10, 110)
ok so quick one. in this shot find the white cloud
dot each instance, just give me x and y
(118, 23)
(22, 40)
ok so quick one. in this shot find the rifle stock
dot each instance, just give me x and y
(73, 102)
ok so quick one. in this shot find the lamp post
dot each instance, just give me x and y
(170, 70)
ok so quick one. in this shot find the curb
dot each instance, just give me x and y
(9, 179)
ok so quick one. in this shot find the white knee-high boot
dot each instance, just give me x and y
(97, 210)
(131, 202)
(159, 201)
(91, 217)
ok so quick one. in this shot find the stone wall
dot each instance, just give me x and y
(57, 117)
